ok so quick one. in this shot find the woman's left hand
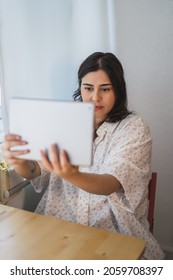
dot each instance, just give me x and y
(58, 163)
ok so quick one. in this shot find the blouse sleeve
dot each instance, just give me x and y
(129, 160)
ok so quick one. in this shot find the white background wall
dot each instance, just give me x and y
(42, 43)
(145, 48)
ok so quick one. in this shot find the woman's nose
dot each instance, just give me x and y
(96, 95)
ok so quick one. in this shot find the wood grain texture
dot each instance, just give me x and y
(26, 235)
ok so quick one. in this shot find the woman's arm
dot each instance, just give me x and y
(102, 184)
(30, 169)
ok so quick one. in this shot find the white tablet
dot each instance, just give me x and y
(44, 122)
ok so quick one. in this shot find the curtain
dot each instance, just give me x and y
(42, 43)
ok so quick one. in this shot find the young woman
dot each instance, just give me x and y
(112, 193)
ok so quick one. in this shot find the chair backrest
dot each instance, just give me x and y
(151, 198)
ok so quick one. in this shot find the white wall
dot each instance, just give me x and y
(145, 48)
(43, 42)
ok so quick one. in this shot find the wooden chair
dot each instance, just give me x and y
(151, 198)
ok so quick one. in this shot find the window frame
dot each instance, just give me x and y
(1, 123)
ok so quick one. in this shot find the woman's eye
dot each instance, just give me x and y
(88, 88)
(105, 89)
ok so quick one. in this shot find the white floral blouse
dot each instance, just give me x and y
(123, 150)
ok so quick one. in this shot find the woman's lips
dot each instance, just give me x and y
(98, 107)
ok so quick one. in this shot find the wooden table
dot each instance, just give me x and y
(26, 235)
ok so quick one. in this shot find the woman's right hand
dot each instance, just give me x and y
(11, 156)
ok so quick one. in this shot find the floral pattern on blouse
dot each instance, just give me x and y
(123, 150)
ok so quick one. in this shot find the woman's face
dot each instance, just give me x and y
(97, 88)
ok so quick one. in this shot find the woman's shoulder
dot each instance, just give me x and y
(133, 123)
(131, 126)
(134, 120)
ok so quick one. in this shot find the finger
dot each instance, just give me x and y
(14, 154)
(54, 156)
(8, 137)
(45, 161)
(64, 162)
(9, 144)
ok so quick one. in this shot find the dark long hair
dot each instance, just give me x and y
(109, 63)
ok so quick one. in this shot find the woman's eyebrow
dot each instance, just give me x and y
(86, 84)
(103, 85)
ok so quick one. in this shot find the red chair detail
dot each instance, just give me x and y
(151, 198)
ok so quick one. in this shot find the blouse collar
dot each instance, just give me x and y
(106, 128)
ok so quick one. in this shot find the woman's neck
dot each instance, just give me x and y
(98, 123)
